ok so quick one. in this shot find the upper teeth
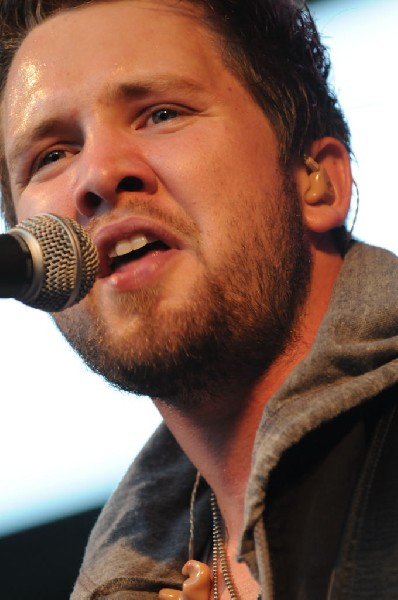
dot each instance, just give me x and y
(128, 245)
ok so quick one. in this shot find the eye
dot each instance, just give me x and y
(165, 117)
(163, 114)
(51, 157)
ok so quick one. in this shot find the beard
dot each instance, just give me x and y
(242, 316)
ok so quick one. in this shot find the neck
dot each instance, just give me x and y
(218, 438)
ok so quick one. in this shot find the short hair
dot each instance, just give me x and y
(273, 46)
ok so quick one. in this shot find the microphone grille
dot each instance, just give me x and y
(69, 261)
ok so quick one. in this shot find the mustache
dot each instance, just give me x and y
(141, 207)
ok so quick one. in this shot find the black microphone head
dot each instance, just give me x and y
(65, 261)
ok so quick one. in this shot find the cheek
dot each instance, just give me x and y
(53, 197)
(208, 170)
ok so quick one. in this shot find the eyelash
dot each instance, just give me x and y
(40, 161)
(48, 154)
(165, 111)
(175, 111)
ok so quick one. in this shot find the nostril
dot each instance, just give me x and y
(130, 184)
(92, 202)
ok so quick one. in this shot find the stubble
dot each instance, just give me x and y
(242, 316)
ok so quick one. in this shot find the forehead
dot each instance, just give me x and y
(101, 29)
(88, 42)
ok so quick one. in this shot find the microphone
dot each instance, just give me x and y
(47, 262)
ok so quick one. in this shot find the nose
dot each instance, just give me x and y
(111, 167)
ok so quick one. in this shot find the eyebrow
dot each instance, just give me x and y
(22, 141)
(146, 87)
(112, 93)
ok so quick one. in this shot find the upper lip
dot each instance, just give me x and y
(105, 237)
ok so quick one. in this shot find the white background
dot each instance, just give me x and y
(66, 437)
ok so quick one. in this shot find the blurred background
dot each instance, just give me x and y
(66, 436)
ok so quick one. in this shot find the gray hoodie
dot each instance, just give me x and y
(140, 541)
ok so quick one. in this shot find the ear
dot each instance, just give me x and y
(324, 183)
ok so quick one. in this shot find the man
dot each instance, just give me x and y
(200, 145)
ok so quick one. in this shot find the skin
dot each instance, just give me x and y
(206, 179)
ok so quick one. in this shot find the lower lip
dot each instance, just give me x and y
(139, 273)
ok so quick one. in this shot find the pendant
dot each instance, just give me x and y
(196, 587)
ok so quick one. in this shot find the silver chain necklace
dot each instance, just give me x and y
(219, 553)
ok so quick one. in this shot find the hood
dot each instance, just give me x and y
(354, 357)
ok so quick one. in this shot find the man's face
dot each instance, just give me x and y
(123, 116)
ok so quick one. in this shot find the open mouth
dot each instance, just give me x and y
(133, 249)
